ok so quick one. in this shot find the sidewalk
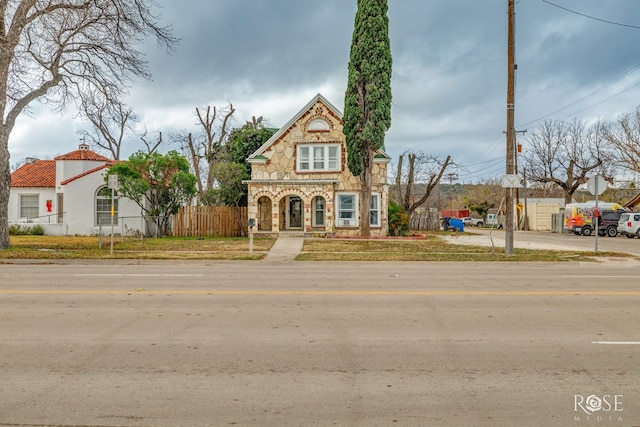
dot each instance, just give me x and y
(286, 248)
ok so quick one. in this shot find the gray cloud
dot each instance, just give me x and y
(449, 84)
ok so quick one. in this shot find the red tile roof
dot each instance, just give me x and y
(82, 154)
(40, 173)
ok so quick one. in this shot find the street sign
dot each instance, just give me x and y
(511, 181)
(113, 182)
(596, 185)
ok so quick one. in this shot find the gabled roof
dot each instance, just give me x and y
(36, 174)
(276, 136)
(633, 202)
(257, 156)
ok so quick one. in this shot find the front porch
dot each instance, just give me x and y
(306, 209)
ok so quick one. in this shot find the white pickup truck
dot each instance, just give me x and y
(476, 222)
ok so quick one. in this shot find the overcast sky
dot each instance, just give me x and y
(270, 57)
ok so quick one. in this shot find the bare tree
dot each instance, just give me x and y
(152, 146)
(110, 119)
(421, 169)
(624, 138)
(563, 153)
(54, 50)
(206, 147)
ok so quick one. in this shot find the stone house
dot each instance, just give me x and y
(300, 181)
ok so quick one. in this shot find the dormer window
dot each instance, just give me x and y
(319, 125)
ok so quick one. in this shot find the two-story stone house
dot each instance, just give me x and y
(300, 180)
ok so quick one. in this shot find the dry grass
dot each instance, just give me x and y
(430, 248)
(88, 247)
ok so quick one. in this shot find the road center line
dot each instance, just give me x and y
(608, 276)
(255, 292)
(135, 275)
(616, 342)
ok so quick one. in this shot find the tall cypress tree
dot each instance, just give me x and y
(367, 110)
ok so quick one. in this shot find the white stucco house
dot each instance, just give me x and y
(69, 196)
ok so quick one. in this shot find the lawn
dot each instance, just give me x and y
(429, 248)
(89, 247)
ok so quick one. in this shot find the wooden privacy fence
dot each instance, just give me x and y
(424, 221)
(210, 221)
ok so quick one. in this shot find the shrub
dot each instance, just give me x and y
(398, 220)
(15, 230)
(24, 230)
(37, 230)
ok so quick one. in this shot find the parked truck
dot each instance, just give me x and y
(471, 221)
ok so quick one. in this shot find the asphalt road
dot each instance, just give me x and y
(311, 343)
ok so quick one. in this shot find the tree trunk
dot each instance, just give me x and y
(399, 179)
(409, 192)
(5, 187)
(365, 195)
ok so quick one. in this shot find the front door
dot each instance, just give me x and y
(295, 212)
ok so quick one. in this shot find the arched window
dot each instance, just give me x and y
(319, 210)
(319, 125)
(264, 214)
(103, 207)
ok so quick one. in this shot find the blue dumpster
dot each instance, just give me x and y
(456, 224)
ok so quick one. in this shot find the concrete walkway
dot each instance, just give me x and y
(286, 248)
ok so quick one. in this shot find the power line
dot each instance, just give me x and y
(605, 100)
(589, 95)
(494, 168)
(487, 161)
(591, 17)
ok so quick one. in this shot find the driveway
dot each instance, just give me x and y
(546, 240)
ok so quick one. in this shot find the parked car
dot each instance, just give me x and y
(629, 224)
(608, 222)
(476, 222)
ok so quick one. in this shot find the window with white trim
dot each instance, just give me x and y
(374, 210)
(29, 204)
(347, 210)
(318, 211)
(103, 207)
(319, 157)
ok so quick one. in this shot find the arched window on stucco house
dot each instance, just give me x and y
(103, 206)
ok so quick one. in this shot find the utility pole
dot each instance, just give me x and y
(518, 148)
(510, 160)
(451, 176)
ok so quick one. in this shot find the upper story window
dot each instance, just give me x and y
(319, 157)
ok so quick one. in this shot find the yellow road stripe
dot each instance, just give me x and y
(308, 293)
